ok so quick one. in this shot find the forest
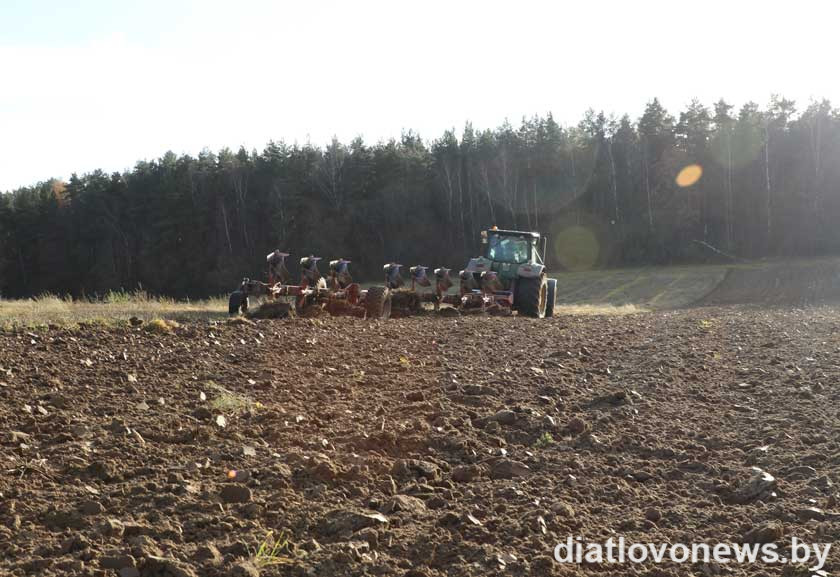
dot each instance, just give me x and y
(606, 192)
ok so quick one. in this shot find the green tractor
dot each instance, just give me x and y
(511, 273)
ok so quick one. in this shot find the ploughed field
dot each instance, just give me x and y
(416, 447)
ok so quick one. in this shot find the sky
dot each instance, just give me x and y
(90, 84)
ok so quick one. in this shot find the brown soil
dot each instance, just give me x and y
(414, 447)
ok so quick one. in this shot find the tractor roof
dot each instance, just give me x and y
(513, 233)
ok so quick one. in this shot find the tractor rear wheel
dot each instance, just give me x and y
(551, 297)
(378, 303)
(236, 301)
(532, 296)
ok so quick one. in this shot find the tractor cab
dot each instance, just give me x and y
(511, 253)
(511, 246)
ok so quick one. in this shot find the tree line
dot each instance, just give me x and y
(606, 191)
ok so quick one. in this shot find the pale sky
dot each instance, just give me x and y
(89, 84)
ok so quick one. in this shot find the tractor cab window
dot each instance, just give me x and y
(508, 249)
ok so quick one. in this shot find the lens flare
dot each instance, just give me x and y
(577, 248)
(689, 175)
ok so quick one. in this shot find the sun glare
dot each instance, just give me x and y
(689, 175)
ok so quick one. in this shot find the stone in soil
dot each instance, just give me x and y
(508, 469)
(235, 493)
(765, 533)
(346, 521)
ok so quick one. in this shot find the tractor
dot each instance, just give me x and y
(510, 274)
(509, 277)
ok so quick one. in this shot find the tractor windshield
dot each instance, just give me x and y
(508, 249)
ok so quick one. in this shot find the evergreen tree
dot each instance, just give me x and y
(194, 226)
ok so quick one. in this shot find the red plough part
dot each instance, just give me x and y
(337, 295)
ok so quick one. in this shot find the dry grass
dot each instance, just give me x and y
(161, 326)
(594, 310)
(115, 308)
(227, 401)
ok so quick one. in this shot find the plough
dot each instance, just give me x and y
(338, 295)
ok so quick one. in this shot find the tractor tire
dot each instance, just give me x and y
(532, 294)
(234, 302)
(551, 297)
(378, 303)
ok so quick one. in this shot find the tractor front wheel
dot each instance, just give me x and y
(532, 296)
(378, 303)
